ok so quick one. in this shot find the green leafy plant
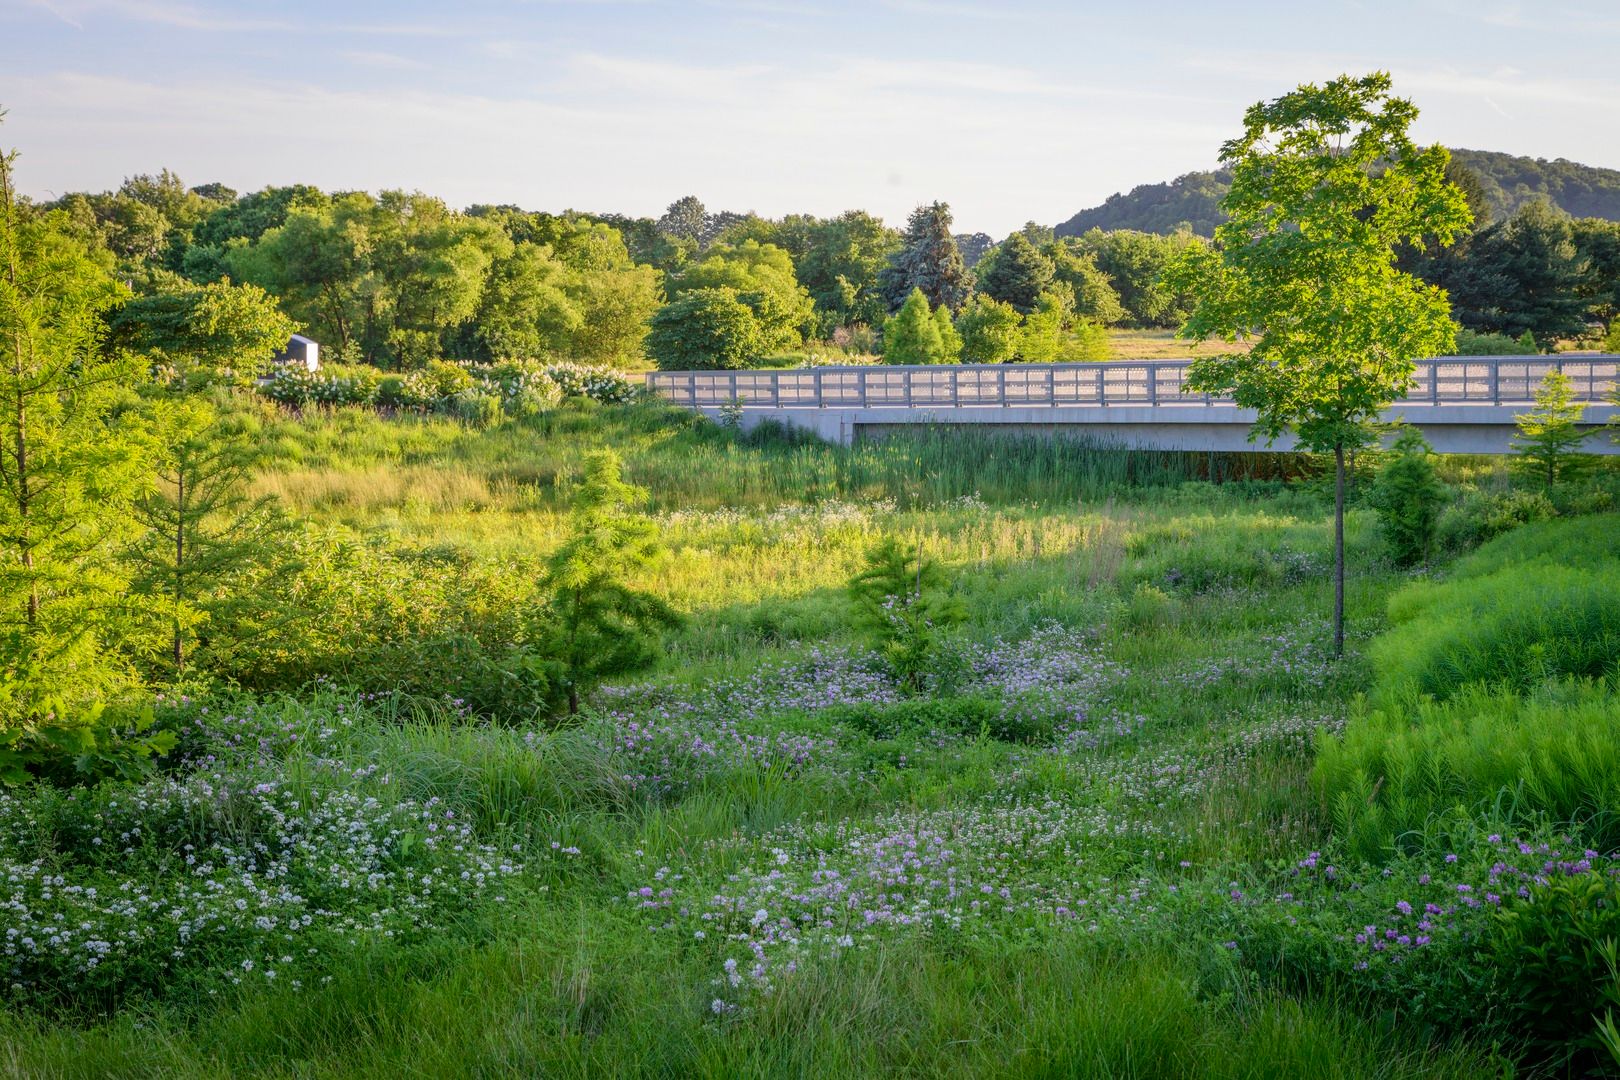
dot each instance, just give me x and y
(901, 607)
(1554, 958)
(82, 745)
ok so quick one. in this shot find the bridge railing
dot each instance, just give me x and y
(1470, 380)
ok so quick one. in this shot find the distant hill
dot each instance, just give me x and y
(1508, 182)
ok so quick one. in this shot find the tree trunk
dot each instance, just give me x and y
(1338, 550)
(179, 566)
(573, 700)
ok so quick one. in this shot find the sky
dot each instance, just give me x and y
(1011, 111)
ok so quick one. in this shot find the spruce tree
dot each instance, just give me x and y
(929, 260)
(1016, 273)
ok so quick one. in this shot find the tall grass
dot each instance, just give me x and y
(353, 458)
(1550, 756)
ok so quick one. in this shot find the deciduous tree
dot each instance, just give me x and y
(66, 478)
(1326, 185)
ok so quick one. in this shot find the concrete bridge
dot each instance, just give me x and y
(1462, 404)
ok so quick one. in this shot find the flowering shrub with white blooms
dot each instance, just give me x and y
(124, 890)
(599, 384)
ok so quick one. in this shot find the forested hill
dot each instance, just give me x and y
(1507, 181)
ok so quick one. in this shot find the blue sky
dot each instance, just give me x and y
(1009, 111)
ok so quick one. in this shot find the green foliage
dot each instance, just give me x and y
(928, 259)
(1549, 438)
(912, 334)
(1041, 337)
(1015, 273)
(1515, 627)
(950, 341)
(990, 331)
(83, 745)
(529, 308)
(1551, 754)
(840, 267)
(1519, 276)
(1555, 958)
(1480, 516)
(760, 276)
(66, 476)
(901, 606)
(1326, 185)
(201, 532)
(703, 330)
(1408, 497)
(598, 626)
(217, 330)
(1474, 343)
(1135, 264)
(1094, 296)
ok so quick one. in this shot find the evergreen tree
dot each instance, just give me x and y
(910, 335)
(1518, 276)
(1016, 273)
(202, 529)
(1408, 497)
(66, 478)
(901, 606)
(599, 626)
(1550, 437)
(929, 260)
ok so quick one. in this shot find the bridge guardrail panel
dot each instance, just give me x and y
(1445, 380)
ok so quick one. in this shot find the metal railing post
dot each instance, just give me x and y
(860, 389)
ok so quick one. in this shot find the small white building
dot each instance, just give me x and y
(300, 352)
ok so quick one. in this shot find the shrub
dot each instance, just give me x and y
(334, 384)
(703, 330)
(1407, 497)
(82, 746)
(1472, 343)
(1479, 517)
(602, 385)
(1397, 769)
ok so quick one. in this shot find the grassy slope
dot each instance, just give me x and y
(1222, 680)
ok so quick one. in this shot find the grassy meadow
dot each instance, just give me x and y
(1139, 823)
